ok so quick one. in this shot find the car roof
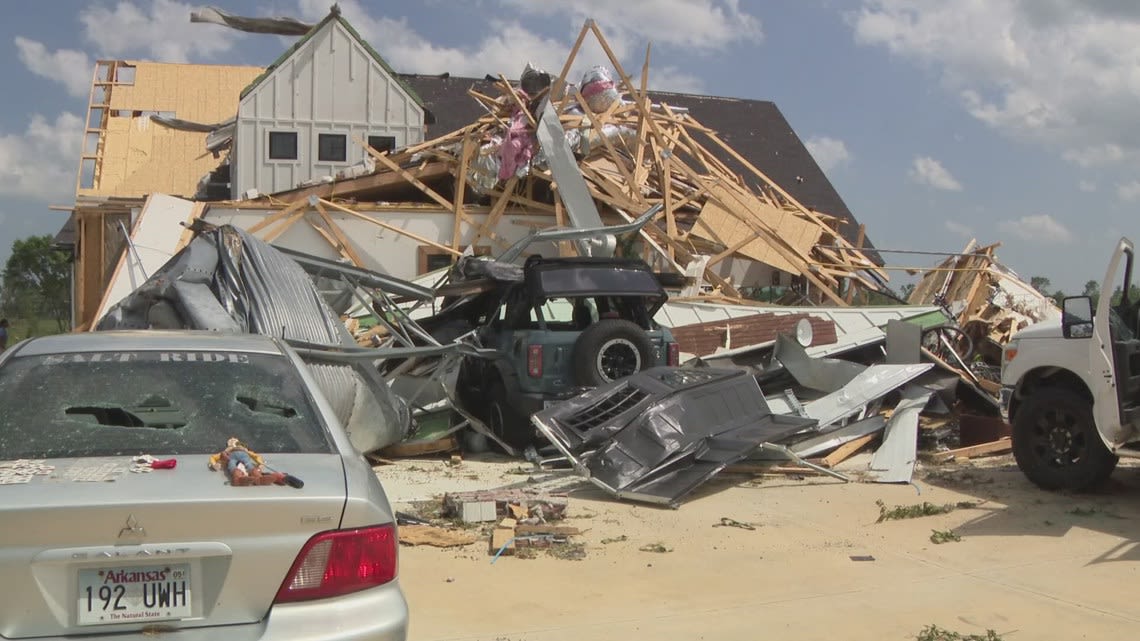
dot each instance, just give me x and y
(147, 340)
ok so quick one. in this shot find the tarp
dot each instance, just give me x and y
(281, 26)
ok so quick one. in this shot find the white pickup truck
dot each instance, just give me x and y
(1071, 388)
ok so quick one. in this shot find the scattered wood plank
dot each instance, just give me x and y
(434, 536)
(993, 448)
(847, 450)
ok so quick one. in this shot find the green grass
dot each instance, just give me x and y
(21, 328)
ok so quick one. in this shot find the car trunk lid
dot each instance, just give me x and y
(92, 547)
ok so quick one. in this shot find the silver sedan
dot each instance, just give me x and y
(160, 481)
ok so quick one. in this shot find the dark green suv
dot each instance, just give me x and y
(557, 328)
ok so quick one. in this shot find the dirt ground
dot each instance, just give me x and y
(1029, 564)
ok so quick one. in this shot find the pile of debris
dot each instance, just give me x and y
(658, 435)
(587, 154)
(988, 300)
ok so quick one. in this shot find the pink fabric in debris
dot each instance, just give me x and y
(518, 145)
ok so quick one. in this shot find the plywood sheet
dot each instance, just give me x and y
(719, 224)
(140, 157)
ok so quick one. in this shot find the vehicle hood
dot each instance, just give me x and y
(1044, 329)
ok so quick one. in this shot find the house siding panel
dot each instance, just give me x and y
(331, 84)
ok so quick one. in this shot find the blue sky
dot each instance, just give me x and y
(1001, 120)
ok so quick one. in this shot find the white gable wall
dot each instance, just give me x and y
(330, 85)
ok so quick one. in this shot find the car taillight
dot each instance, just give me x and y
(673, 354)
(340, 562)
(534, 361)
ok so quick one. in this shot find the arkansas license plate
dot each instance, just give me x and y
(133, 593)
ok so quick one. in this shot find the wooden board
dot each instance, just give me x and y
(993, 448)
(719, 224)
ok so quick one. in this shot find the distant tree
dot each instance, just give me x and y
(1058, 296)
(36, 280)
(1092, 290)
(1133, 294)
(906, 290)
(1040, 283)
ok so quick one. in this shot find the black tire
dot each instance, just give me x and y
(611, 349)
(1056, 444)
(504, 421)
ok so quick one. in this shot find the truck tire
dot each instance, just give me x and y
(504, 421)
(1056, 444)
(611, 349)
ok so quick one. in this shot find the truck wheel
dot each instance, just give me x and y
(1056, 444)
(611, 349)
(504, 421)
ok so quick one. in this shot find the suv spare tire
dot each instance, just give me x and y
(611, 349)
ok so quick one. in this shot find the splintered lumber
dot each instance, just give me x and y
(993, 448)
(632, 153)
(847, 450)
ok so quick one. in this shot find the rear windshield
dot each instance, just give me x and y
(598, 280)
(160, 403)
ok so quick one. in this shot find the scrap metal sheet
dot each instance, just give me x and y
(872, 384)
(894, 461)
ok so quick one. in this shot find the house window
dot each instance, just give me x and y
(332, 147)
(282, 145)
(382, 143)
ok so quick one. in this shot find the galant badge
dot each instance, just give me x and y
(133, 527)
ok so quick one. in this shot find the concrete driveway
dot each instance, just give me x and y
(1030, 565)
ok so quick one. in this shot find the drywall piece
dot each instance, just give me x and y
(894, 461)
(873, 383)
(155, 238)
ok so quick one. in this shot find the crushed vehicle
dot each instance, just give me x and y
(556, 326)
(1071, 386)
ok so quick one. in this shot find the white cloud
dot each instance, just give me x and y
(1087, 186)
(42, 162)
(508, 43)
(1129, 191)
(1053, 72)
(161, 31)
(69, 67)
(928, 171)
(955, 227)
(829, 153)
(1041, 228)
(702, 25)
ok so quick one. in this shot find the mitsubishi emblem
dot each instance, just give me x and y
(132, 527)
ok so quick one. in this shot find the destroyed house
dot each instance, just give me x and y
(299, 128)
(306, 115)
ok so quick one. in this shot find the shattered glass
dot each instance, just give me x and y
(126, 404)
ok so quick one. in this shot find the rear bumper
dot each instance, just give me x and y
(379, 614)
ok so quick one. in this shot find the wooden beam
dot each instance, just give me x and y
(735, 247)
(461, 192)
(276, 216)
(993, 448)
(341, 239)
(352, 186)
(402, 232)
(284, 226)
(560, 82)
(497, 210)
(847, 450)
(387, 162)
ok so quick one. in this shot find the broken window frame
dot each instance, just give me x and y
(332, 139)
(269, 146)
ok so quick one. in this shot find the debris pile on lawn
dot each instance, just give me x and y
(988, 300)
